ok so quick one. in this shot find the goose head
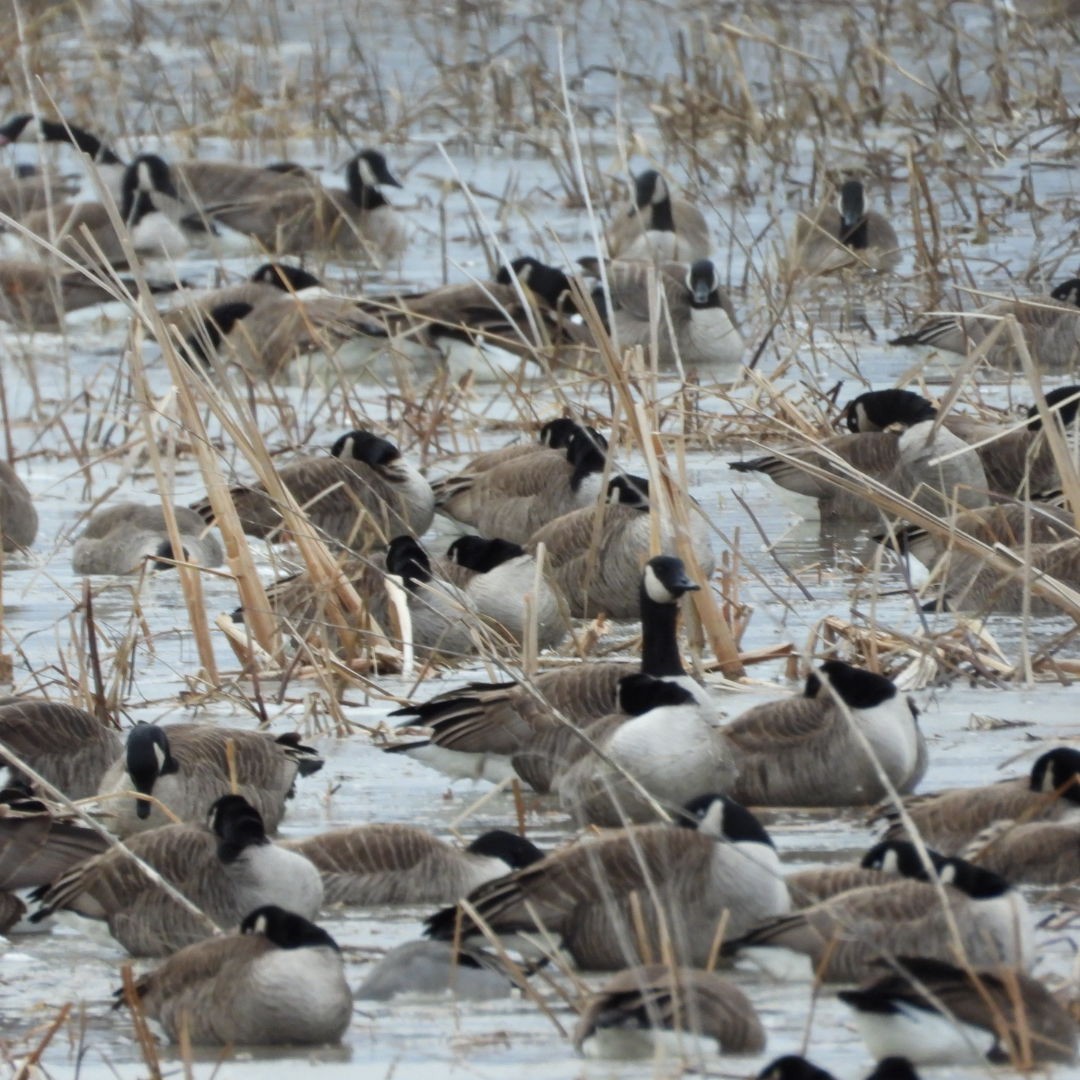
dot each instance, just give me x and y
(147, 757)
(364, 446)
(286, 929)
(1058, 770)
(725, 819)
(476, 553)
(664, 580)
(406, 559)
(289, 279)
(880, 409)
(364, 174)
(513, 850)
(628, 490)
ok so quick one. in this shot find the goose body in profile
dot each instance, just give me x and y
(302, 218)
(641, 1011)
(1050, 326)
(938, 1014)
(373, 865)
(846, 235)
(188, 767)
(657, 227)
(363, 490)
(515, 498)
(280, 980)
(607, 898)
(950, 820)
(496, 730)
(846, 936)
(226, 870)
(119, 538)
(804, 751)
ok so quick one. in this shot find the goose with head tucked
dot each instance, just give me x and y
(846, 235)
(594, 554)
(120, 538)
(225, 868)
(808, 751)
(1050, 326)
(504, 584)
(496, 730)
(656, 227)
(951, 820)
(615, 897)
(683, 307)
(644, 1011)
(373, 865)
(938, 1014)
(515, 498)
(187, 767)
(280, 980)
(364, 491)
(307, 217)
(846, 936)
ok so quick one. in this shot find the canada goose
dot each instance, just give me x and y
(363, 487)
(24, 128)
(22, 192)
(594, 554)
(684, 307)
(1010, 524)
(1050, 327)
(444, 619)
(656, 227)
(371, 865)
(612, 898)
(305, 218)
(950, 820)
(514, 499)
(845, 235)
(642, 1010)
(1019, 462)
(805, 751)
(554, 435)
(817, 883)
(845, 936)
(1035, 853)
(518, 320)
(68, 747)
(149, 207)
(202, 183)
(18, 518)
(907, 462)
(117, 539)
(226, 870)
(435, 969)
(662, 736)
(37, 296)
(938, 1014)
(265, 338)
(501, 581)
(36, 847)
(496, 730)
(189, 766)
(280, 980)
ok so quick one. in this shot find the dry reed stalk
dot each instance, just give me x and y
(143, 1036)
(28, 1070)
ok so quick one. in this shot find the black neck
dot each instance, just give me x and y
(364, 195)
(81, 140)
(855, 237)
(663, 218)
(659, 644)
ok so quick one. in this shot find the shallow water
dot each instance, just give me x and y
(77, 438)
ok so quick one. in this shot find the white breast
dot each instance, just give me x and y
(711, 338)
(891, 730)
(924, 1038)
(156, 236)
(268, 874)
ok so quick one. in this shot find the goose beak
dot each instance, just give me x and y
(701, 292)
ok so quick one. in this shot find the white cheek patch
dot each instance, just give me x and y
(655, 588)
(367, 174)
(160, 755)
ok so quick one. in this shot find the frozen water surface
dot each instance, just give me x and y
(469, 94)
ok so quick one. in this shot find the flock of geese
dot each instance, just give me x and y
(930, 924)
